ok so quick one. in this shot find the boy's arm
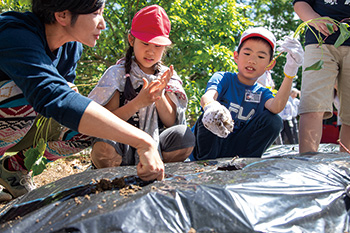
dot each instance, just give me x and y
(295, 58)
(208, 97)
(216, 117)
(277, 104)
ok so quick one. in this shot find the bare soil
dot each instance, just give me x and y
(61, 168)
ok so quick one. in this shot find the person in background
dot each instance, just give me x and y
(145, 93)
(240, 116)
(288, 115)
(317, 87)
(294, 94)
(266, 80)
(39, 51)
(336, 103)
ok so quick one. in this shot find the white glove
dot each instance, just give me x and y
(217, 119)
(295, 56)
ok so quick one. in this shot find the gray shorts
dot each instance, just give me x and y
(170, 139)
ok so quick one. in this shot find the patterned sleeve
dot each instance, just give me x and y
(110, 82)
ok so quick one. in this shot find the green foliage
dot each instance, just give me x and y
(204, 34)
(317, 66)
(194, 93)
(344, 35)
(14, 5)
(34, 157)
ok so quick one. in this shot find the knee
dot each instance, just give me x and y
(177, 155)
(273, 122)
(177, 145)
(104, 155)
(183, 136)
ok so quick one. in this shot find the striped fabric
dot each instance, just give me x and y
(17, 117)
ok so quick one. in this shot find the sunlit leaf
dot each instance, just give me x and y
(344, 34)
(39, 166)
(31, 157)
(316, 66)
(22, 2)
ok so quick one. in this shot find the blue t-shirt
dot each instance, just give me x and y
(335, 9)
(244, 102)
(42, 75)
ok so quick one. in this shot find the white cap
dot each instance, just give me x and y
(259, 32)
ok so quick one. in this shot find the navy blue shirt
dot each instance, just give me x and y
(42, 75)
(336, 9)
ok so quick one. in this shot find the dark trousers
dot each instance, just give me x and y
(251, 140)
(290, 131)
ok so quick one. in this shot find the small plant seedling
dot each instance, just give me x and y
(344, 35)
(34, 157)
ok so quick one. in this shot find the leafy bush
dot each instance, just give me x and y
(194, 93)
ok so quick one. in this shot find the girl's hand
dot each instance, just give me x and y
(151, 166)
(148, 94)
(165, 78)
(153, 91)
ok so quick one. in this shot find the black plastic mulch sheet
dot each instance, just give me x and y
(292, 193)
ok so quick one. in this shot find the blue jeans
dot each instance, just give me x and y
(251, 140)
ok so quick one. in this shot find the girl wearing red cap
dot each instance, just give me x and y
(145, 93)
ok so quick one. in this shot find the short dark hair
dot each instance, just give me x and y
(256, 38)
(45, 9)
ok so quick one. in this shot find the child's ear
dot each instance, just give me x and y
(131, 40)
(63, 17)
(271, 65)
(235, 56)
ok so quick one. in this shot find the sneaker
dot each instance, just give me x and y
(16, 182)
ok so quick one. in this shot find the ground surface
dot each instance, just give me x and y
(62, 168)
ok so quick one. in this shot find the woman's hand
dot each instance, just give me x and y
(151, 166)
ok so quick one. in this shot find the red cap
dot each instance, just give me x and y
(151, 24)
(259, 32)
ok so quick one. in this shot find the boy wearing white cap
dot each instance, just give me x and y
(240, 115)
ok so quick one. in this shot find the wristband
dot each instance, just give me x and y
(290, 77)
(207, 104)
